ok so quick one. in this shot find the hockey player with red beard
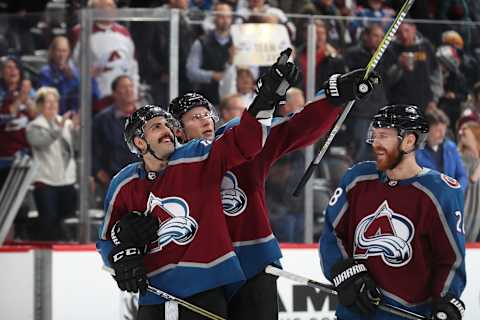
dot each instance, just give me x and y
(394, 230)
(243, 192)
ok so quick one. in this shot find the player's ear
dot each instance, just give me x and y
(180, 134)
(409, 141)
(140, 144)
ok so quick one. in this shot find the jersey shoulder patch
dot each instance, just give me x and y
(451, 182)
(440, 180)
(443, 187)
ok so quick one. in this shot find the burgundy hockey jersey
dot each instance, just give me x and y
(194, 251)
(408, 233)
(243, 187)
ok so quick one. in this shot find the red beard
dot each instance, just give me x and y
(387, 159)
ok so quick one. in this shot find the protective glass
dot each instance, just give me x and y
(211, 114)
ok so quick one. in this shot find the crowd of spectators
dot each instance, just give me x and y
(431, 65)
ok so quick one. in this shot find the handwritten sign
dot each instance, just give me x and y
(259, 43)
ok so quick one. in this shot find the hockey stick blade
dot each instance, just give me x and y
(181, 302)
(382, 47)
(407, 314)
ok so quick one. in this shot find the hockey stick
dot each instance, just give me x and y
(331, 289)
(370, 67)
(181, 302)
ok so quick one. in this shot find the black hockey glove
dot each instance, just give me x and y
(448, 308)
(129, 269)
(341, 88)
(272, 86)
(356, 290)
(136, 229)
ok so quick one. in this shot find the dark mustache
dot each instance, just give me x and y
(165, 136)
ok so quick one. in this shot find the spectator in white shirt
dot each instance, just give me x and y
(112, 48)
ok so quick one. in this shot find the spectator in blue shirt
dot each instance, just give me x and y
(110, 152)
(204, 5)
(374, 9)
(62, 74)
(440, 153)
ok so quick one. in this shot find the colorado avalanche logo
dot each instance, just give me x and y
(387, 234)
(234, 200)
(178, 227)
(452, 183)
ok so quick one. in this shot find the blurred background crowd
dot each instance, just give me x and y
(433, 63)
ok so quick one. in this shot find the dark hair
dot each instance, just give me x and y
(15, 59)
(19, 65)
(369, 28)
(117, 80)
(436, 116)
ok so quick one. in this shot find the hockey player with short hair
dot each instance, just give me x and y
(164, 223)
(243, 192)
(394, 230)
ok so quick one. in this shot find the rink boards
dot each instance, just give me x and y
(59, 282)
